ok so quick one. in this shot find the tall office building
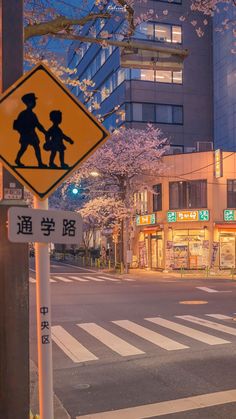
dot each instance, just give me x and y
(179, 102)
(224, 65)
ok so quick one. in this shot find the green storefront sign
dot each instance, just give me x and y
(188, 215)
(203, 215)
(229, 215)
(171, 216)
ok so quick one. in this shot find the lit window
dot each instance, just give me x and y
(176, 34)
(147, 75)
(141, 202)
(164, 76)
(145, 31)
(177, 77)
(163, 33)
(121, 76)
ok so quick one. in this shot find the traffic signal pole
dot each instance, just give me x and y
(14, 275)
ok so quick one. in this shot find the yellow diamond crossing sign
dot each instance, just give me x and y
(45, 133)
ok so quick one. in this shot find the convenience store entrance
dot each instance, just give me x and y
(190, 249)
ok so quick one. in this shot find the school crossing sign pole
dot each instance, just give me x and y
(45, 135)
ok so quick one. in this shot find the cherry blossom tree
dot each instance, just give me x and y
(127, 163)
(100, 213)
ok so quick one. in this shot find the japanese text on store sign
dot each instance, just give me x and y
(148, 219)
(218, 163)
(229, 215)
(178, 216)
(28, 225)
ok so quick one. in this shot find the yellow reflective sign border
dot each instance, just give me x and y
(104, 133)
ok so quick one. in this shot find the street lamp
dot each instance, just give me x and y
(94, 173)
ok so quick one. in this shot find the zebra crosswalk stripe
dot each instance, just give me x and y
(63, 279)
(94, 279)
(109, 279)
(128, 279)
(188, 331)
(77, 278)
(210, 324)
(149, 335)
(113, 342)
(70, 346)
(219, 316)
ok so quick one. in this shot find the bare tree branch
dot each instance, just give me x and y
(59, 24)
(130, 16)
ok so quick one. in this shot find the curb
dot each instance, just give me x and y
(59, 410)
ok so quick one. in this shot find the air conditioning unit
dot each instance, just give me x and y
(175, 150)
(204, 146)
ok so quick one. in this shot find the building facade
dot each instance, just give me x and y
(190, 220)
(224, 64)
(179, 102)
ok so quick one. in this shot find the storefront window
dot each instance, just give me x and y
(227, 250)
(190, 249)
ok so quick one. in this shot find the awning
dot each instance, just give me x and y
(226, 226)
(151, 229)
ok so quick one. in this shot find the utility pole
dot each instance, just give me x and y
(14, 288)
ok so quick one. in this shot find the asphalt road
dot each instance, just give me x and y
(121, 344)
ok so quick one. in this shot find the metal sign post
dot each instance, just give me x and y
(42, 168)
(43, 307)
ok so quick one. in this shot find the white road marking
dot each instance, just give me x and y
(109, 339)
(70, 346)
(63, 279)
(206, 289)
(109, 279)
(128, 279)
(188, 331)
(168, 407)
(211, 325)
(74, 266)
(153, 337)
(219, 316)
(76, 278)
(33, 280)
(94, 279)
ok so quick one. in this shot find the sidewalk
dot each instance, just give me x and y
(59, 411)
(184, 274)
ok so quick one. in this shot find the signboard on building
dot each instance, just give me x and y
(185, 216)
(229, 215)
(44, 226)
(218, 163)
(46, 133)
(148, 219)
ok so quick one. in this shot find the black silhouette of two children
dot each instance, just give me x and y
(26, 124)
